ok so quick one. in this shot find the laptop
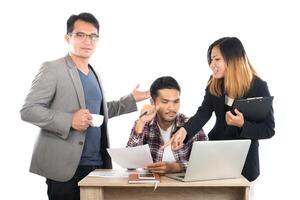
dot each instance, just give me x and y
(209, 160)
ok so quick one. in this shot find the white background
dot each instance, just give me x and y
(140, 41)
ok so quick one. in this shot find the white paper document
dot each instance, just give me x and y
(114, 173)
(168, 155)
(111, 174)
(131, 157)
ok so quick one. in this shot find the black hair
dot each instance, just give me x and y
(230, 48)
(164, 82)
(86, 17)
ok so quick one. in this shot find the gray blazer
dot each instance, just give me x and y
(57, 93)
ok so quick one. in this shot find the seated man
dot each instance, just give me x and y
(156, 125)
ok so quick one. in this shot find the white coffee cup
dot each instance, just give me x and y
(97, 120)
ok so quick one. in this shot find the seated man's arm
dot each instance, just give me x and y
(141, 128)
(200, 136)
(165, 167)
(138, 135)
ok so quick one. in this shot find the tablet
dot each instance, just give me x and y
(254, 109)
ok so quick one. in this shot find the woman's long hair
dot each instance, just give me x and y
(238, 73)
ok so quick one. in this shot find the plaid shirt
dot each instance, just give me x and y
(151, 136)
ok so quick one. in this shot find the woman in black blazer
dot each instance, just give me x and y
(233, 78)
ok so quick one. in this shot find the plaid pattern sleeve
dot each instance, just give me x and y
(150, 136)
(138, 139)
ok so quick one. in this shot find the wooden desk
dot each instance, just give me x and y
(99, 188)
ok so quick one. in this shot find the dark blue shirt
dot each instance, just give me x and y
(93, 100)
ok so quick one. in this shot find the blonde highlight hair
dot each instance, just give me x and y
(238, 73)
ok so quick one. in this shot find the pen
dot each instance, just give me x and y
(145, 113)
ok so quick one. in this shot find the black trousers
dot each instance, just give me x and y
(68, 190)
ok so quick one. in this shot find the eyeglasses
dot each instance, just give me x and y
(82, 36)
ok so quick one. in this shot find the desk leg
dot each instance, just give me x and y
(91, 193)
(247, 193)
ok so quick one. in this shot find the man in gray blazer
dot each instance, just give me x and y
(62, 98)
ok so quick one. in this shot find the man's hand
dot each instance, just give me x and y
(164, 167)
(235, 120)
(81, 120)
(140, 95)
(148, 112)
(176, 140)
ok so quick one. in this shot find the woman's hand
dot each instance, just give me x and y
(235, 120)
(176, 140)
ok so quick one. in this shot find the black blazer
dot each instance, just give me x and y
(221, 131)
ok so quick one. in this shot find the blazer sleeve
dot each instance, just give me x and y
(124, 105)
(203, 114)
(264, 129)
(36, 108)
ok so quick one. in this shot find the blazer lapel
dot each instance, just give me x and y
(76, 81)
(222, 101)
(221, 104)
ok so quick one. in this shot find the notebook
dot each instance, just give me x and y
(210, 160)
(255, 109)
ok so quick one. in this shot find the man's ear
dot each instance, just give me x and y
(152, 101)
(67, 38)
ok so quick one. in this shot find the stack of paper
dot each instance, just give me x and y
(131, 157)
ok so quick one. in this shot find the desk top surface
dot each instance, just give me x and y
(165, 181)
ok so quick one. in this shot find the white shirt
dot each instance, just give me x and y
(228, 101)
(166, 135)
